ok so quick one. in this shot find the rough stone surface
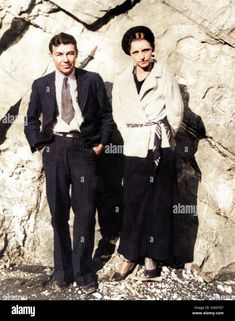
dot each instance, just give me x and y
(25, 282)
(195, 41)
(88, 11)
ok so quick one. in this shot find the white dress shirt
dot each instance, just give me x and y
(61, 125)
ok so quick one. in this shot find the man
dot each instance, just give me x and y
(76, 124)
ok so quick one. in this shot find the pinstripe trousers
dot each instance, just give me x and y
(70, 170)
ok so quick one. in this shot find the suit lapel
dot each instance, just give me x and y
(51, 95)
(82, 87)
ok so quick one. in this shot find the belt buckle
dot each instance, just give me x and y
(60, 134)
(65, 134)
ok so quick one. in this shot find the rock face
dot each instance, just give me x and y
(195, 40)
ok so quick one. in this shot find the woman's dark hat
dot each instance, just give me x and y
(138, 32)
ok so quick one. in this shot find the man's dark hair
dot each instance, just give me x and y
(63, 38)
(136, 33)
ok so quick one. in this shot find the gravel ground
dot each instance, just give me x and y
(35, 283)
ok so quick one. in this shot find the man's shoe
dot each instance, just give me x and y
(58, 286)
(104, 251)
(89, 288)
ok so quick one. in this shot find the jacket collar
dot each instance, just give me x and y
(151, 80)
(149, 83)
(82, 88)
(51, 94)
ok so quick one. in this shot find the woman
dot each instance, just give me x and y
(148, 109)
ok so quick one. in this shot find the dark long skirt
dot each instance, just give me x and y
(148, 204)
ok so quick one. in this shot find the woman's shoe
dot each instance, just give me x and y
(152, 270)
(152, 273)
(118, 276)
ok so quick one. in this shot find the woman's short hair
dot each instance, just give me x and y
(136, 33)
(63, 38)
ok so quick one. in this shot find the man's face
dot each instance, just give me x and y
(141, 52)
(64, 57)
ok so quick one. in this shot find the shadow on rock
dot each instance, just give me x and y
(185, 218)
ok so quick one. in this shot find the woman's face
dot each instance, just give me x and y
(141, 52)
